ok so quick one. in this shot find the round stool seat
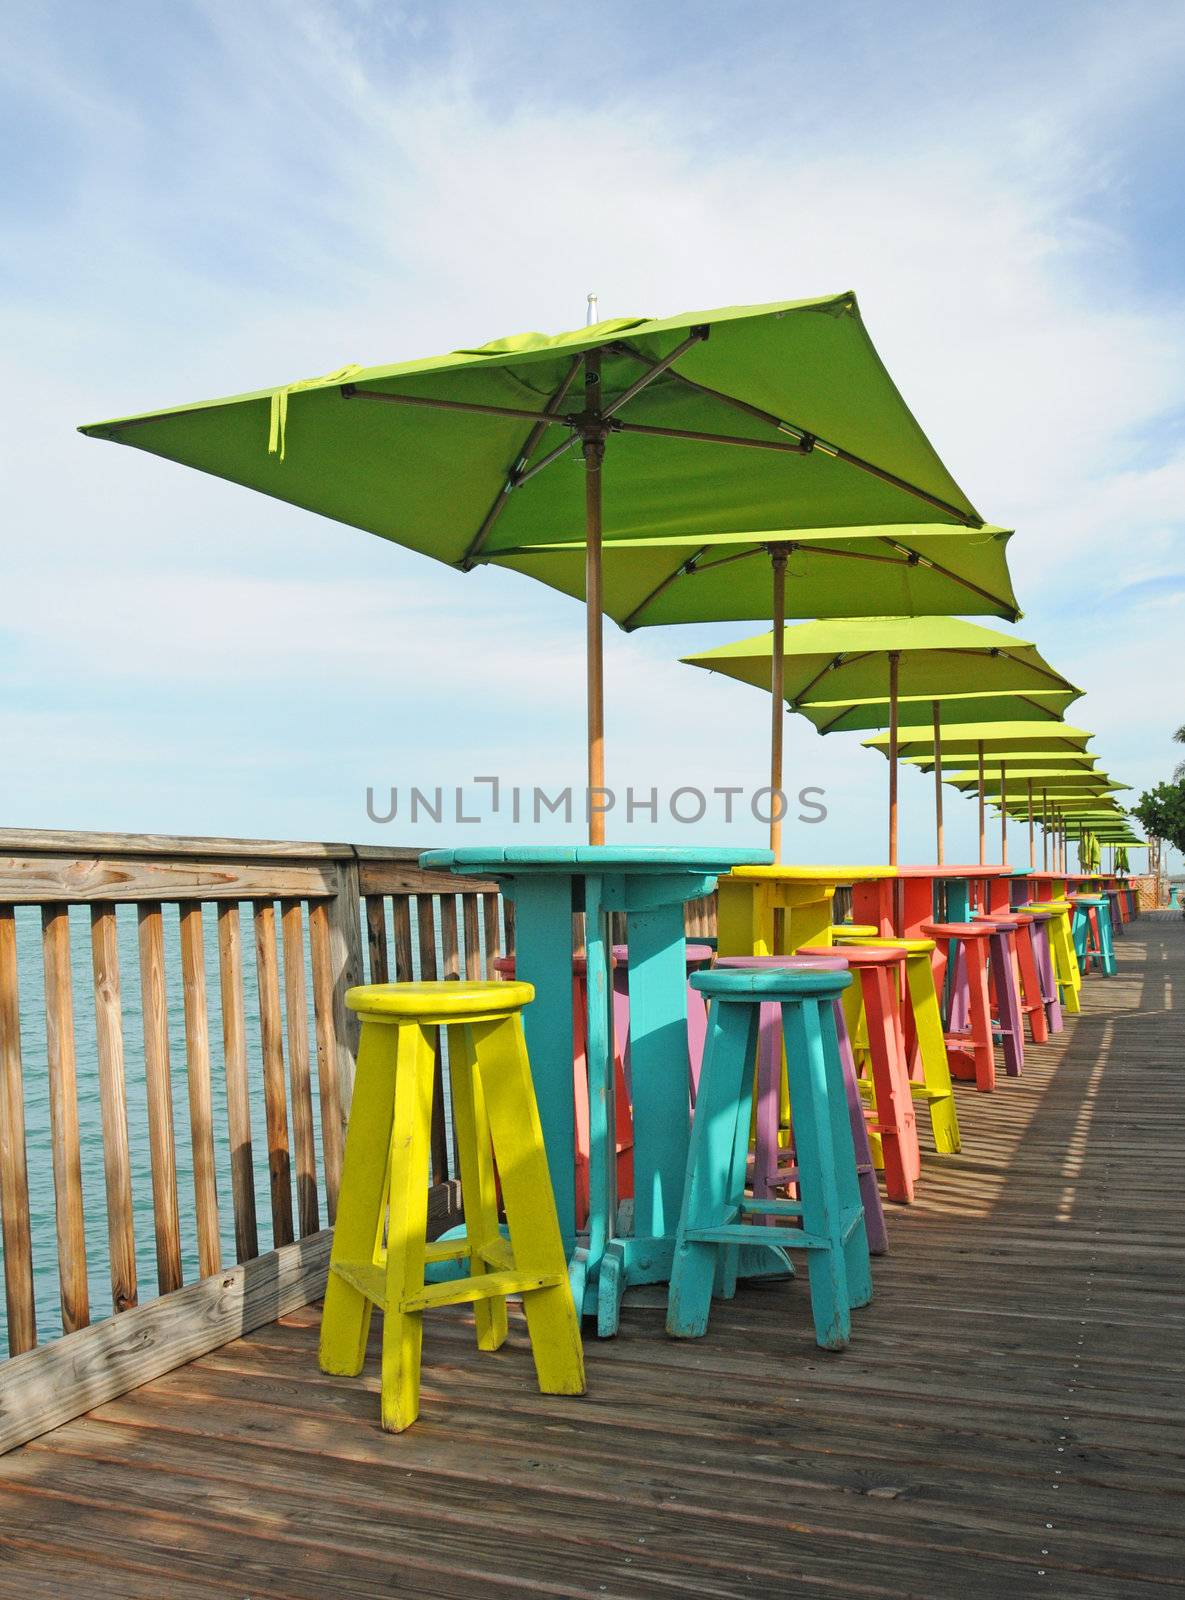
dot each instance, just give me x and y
(957, 930)
(823, 961)
(445, 998)
(911, 947)
(867, 955)
(769, 983)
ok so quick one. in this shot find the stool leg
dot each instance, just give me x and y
(407, 1226)
(767, 1148)
(1032, 1000)
(725, 1095)
(1007, 1004)
(870, 1194)
(478, 1189)
(505, 1074)
(822, 1211)
(345, 1319)
(894, 1101)
(1106, 944)
(927, 1021)
(856, 1246)
(976, 956)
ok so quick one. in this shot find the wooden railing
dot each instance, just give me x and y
(242, 951)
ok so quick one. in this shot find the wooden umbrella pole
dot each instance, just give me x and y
(777, 685)
(1032, 838)
(1003, 815)
(1045, 829)
(894, 668)
(982, 806)
(594, 454)
(938, 777)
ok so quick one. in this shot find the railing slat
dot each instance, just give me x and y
(201, 1107)
(63, 1115)
(296, 1008)
(161, 1139)
(117, 1170)
(238, 1098)
(14, 1172)
(430, 972)
(469, 910)
(401, 907)
(327, 1084)
(275, 1099)
(489, 912)
(376, 938)
(448, 933)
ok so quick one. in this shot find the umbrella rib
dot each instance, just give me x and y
(811, 441)
(1009, 655)
(685, 570)
(656, 370)
(916, 558)
(794, 447)
(845, 659)
(516, 475)
(351, 391)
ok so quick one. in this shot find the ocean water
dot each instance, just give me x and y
(36, 1088)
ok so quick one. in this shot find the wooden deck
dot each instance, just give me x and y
(1008, 1421)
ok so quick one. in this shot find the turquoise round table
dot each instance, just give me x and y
(547, 883)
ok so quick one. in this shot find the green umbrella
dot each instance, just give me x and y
(1023, 743)
(854, 671)
(1033, 735)
(1058, 779)
(778, 420)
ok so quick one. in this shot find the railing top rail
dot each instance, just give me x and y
(42, 841)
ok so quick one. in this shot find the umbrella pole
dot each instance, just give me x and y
(1045, 829)
(938, 776)
(776, 688)
(1032, 839)
(1003, 815)
(894, 666)
(982, 804)
(594, 454)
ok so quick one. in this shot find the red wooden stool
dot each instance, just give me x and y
(877, 968)
(970, 1051)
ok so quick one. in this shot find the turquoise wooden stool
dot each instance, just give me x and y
(717, 1218)
(1092, 932)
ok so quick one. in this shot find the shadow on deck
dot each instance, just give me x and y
(1008, 1420)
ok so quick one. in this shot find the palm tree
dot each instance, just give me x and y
(1179, 769)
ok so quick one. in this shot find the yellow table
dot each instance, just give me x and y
(773, 911)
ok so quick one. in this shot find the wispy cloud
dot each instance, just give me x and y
(240, 195)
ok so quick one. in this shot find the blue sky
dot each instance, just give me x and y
(213, 197)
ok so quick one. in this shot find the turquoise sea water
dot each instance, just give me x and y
(36, 1088)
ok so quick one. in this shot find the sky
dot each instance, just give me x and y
(212, 197)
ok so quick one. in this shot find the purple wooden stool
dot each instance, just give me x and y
(1044, 955)
(773, 1165)
(1008, 1021)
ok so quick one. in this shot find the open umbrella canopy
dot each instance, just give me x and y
(1033, 736)
(1050, 780)
(914, 569)
(757, 421)
(838, 664)
(1017, 761)
(445, 455)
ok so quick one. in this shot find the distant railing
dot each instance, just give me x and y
(243, 952)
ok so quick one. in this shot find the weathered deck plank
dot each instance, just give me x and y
(1007, 1421)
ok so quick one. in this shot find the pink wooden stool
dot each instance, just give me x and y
(877, 968)
(962, 949)
(774, 1164)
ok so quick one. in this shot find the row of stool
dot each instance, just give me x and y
(811, 1069)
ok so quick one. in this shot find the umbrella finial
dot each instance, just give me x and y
(591, 314)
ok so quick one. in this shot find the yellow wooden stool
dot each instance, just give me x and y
(1066, 971)
(385, 1177)
(934, 1089)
